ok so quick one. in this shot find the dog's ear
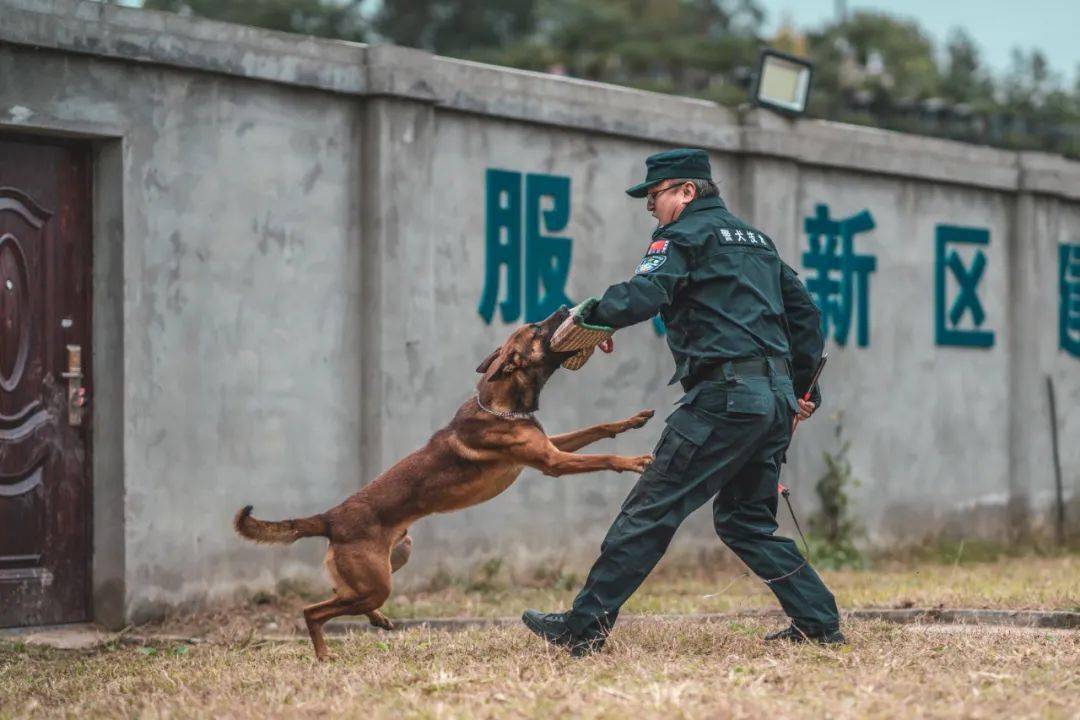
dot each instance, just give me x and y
(500, 362)
(483, 367)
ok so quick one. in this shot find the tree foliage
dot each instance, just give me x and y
(871, 68)
(324, 18)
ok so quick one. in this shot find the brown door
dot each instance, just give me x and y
(44, 308)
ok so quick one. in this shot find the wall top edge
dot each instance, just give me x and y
(116, 32)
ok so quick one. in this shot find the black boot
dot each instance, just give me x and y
(552, 627)
(793, 634)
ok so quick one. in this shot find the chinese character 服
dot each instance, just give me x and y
(841, 285)
(949, 326)
(545, 263)
(1069, 310)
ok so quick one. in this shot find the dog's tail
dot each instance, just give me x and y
(284, 531)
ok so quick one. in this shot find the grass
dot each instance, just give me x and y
(649, 669)
(1026, 583)
(1014, 583)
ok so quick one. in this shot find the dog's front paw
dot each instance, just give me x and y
(633, 422)
(635, 464)
(639, 420)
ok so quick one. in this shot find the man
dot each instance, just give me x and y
(746, 339)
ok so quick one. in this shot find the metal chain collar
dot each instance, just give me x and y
(504, 415)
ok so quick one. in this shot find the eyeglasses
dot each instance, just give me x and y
(651, 197)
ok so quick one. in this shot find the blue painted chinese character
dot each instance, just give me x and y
(1069, 312)
(546, 258)
(503, 245)
(658, 326)
(948, 330)
(842, 283)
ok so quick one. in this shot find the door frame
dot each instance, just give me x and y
(107, 556)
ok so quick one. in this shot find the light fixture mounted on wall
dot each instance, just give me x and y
(782, 83)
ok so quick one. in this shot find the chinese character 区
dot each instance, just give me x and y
(949, 328)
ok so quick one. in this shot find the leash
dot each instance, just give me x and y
(769, 581)
(783, 490)
(785, 493)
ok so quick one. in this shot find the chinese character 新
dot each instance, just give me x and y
(841, 283)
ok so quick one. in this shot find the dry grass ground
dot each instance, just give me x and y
(1014, 583)
(649, 669)
(1028, 583)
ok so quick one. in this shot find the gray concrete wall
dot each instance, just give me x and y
(303, 229)
(242, 322)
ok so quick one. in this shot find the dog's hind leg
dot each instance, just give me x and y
(315, 616)
(362, 573)
(400, 553)
(379, 620)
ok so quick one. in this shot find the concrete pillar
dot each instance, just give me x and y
(108, 570)
(397, 266)
(1025, 404)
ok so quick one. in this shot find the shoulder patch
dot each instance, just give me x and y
(650, 262)
(657, 246)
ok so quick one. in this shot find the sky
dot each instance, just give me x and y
(996, 25)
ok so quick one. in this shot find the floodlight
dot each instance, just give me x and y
(783, 82)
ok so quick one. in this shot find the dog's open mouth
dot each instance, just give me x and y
(549, 326)
(555, 359)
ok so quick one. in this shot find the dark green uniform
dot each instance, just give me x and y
(746, 338)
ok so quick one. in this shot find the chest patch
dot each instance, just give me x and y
(650, 263)
(743, 237)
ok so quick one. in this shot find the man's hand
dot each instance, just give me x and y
(806, 409)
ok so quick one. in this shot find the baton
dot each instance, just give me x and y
(813, 382)
(783, 489)
(817, 375)
(806, 396)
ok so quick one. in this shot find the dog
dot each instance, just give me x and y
(478, 455)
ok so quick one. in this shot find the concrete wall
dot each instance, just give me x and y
(241, 309)
(303, 231)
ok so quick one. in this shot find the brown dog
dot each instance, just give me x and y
(478, 455)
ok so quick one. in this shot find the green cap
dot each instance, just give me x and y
(689, 163)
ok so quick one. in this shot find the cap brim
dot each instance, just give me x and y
(642, 189)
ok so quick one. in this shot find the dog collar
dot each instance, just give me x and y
(504, 415)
